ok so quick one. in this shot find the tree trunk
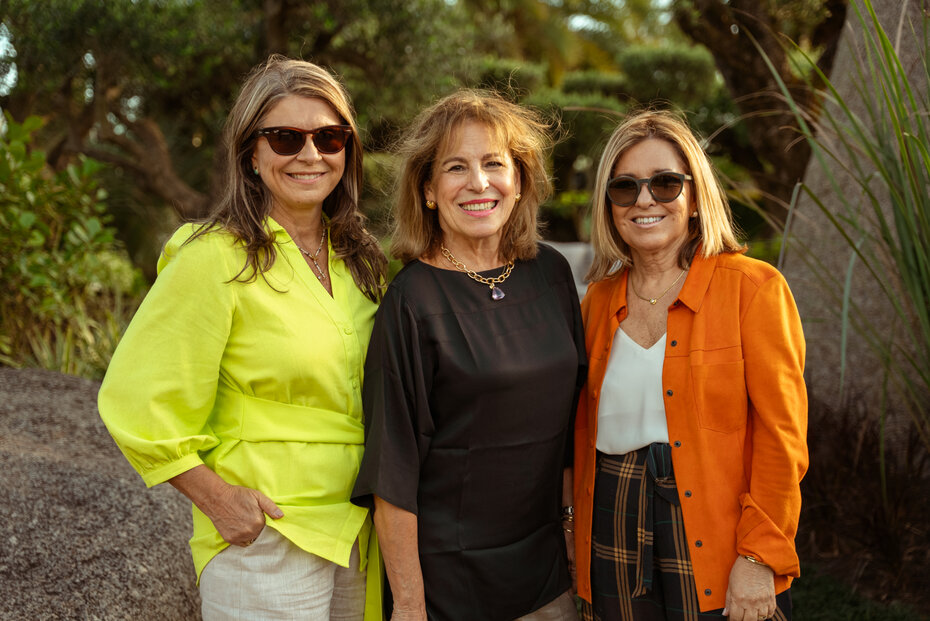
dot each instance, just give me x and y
(728, 30)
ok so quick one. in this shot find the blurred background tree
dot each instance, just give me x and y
(772, 152)
(144, 86)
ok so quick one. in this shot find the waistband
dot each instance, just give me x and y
(253, 419)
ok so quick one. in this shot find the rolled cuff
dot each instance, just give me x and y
(758, 536)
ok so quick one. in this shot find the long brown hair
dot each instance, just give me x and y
(518, 129)
(246, 202)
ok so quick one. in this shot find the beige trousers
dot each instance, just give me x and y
(273, 579)
(562, 608)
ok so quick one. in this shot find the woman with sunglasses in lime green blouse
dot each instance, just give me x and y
(238, 380)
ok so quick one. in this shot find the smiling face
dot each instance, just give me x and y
(299, 182)
(648, 226)
(474, 184)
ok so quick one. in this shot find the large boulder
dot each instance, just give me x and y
(80, 535)
(819, 258)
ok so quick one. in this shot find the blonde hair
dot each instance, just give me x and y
(713, 229)
(246, 202)
(519, 130)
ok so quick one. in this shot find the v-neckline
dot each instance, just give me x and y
(661, 339)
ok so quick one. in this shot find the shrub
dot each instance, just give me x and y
(512, 78)
(69, 288)
(606, 84)
(683, 74)
(863, 520)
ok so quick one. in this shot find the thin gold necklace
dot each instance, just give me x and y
(496, 292)
(658, 297)
(312, 256)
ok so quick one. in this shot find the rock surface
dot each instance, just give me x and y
(818, 257)
(80, 535)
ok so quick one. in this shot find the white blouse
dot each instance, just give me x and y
(631, 412)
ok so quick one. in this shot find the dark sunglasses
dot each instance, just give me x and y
(664, 187)
(290, 140)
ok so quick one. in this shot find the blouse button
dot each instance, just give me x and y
(688, 493)
(677, 443)
(707, 591)
(669, 393)
(698, 543)
(347, 330)
(674, 343)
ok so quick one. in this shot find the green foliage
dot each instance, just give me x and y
(69, 287)
(395, 55)
(683, 74)
(874, 539)
(586, 119)
(883, 204)
(510, 77)
(817, 597)
(380, 171)
(174, 61)
(590, 81)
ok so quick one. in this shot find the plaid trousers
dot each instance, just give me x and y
(640, 565)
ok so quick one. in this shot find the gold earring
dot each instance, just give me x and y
(431, 204)
(516, 199)
(694, 214)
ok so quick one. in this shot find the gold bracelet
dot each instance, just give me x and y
(754, 560)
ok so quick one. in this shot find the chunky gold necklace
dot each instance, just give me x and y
(312, 256)
(496, 293)
(658, 297)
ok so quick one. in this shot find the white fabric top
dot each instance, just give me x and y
(631, 411)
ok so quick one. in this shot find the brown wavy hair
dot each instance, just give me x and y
(518, 129)
(246, 202)
(713, 230)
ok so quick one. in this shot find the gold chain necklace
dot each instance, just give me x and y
(658, 297)
(496, 293)
(312, 256)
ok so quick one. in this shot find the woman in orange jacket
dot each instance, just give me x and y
(690, 438)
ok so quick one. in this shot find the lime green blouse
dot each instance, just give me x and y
(260, 381)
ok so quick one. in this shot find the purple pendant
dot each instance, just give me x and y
(496, 294)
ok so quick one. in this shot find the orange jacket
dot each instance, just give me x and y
(736, 407)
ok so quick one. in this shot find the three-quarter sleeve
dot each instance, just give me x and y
(773, 346)
(395, 399)
(161, 384)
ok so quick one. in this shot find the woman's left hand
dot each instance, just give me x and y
(751, 591)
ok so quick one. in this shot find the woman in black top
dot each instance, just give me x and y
(472, 375)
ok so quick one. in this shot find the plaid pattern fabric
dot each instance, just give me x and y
(640, 566)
